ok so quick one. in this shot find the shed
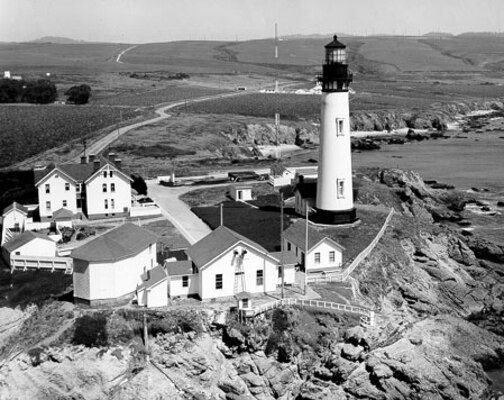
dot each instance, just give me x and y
(153, 291)
(241, 192)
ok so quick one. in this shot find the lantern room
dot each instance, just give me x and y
(335, 52)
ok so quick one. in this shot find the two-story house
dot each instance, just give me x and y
(96, 188)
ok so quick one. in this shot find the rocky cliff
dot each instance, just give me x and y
(439, 295)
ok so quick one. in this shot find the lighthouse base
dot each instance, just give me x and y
(329, 217)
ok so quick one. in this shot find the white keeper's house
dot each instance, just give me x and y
(324, 255)
(96, 187)
(113, 265)
(225, 263)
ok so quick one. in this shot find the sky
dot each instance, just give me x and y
(142, 21)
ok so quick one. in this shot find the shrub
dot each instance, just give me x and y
(78, 94)
(91, 330)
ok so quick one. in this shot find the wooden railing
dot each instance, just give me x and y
(25, 263)
(368, 315)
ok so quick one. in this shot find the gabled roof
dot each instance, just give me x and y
(117, 244)
(104, 163)
(22, 239)
(183, 267)
(289, 258)
(155, 275)
(216, 243)
(63, 214)
(15, 206)
(296, 233)
(335, 44)
(307, 190)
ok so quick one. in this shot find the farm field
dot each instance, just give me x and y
(27, 130)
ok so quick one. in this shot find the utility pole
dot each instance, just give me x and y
(282, 265)
(221, 215)
(146, 336)
(306, 251)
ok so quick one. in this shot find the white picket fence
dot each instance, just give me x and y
(343, 276)
(368, 318)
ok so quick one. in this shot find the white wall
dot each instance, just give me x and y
(156, 296)
(289, 275)
(114, 279)
(56, 195)
(252, 262)
(323, 248)
(176, 288)
(95, 197)
(14, 217)
(36, 247)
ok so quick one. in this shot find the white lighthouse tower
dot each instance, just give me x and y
(334, 202)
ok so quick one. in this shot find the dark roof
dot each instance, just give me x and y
(307, 190)
(24, 238)
(119, 243)
(243, 295)
(183, 267)
(288, 257)
(335, 44)
(77, 171)
(215, 243)
(155, 276)
(15, 206)
(63, 214)
(296, 233)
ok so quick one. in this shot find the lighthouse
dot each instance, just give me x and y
(334, 201)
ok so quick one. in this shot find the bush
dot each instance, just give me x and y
(78, 94)
(91, 330)
(41, 92)
(139, 184)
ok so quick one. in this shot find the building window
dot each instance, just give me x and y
(104, 174)
(218, 281)
(341, 188)
(260, 278)
(332, 256)
(185, 281)
(280, 271)
(245, 303)
(111, 174)
(106, 204)
(112, 187)
(296, 251)
(289, 246)
(47, 188)
(104, 188)
(317, 258)
(48, 205)
(67, 186)
(112, 204)
(78, 189)
(64, 203)
(79, 203)
(150, 248)
(339, 127)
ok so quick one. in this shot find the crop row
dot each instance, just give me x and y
(29, 130)
(158, 96)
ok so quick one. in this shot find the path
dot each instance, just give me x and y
(122, 53)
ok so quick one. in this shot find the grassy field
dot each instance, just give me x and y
(29, 130)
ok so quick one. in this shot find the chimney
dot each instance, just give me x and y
(112, 157)
(83, 160)
(91, 158)
(118, 163)
(96, 165)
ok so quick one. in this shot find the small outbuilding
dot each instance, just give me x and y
(241, 192)
(30, 244)
(110, 267)
(153, 291)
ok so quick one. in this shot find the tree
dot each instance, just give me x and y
(10, 91)
(41, 91)
(139, 184)
(78, 94)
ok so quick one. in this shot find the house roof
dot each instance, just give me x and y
(289, 258)
(307, 190)
(125, 241)
(183, 267)
(15, 206)
(63, 214)
(155, 275)
(217, 242)
(296, 233)
(22, 239)
(76, 171)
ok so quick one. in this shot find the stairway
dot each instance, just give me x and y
(239, 273)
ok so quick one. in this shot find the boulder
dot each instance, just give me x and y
(351, 352)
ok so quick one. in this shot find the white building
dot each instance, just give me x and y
(153, 291)
(324, 254)
(288, 175)
(241, 192)
(28, 243)
(96, 187)
(111, 266)
(14, 218)
(225, 263)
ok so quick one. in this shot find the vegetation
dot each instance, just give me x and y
(78, 94)
(40, 91)
(90, 330)
(17, 186)
(139, 184)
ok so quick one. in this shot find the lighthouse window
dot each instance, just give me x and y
(341, 188)
(339, 127)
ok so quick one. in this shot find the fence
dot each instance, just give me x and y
(144, 211)
(52, 264)
(369, 315)
(343, 276)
